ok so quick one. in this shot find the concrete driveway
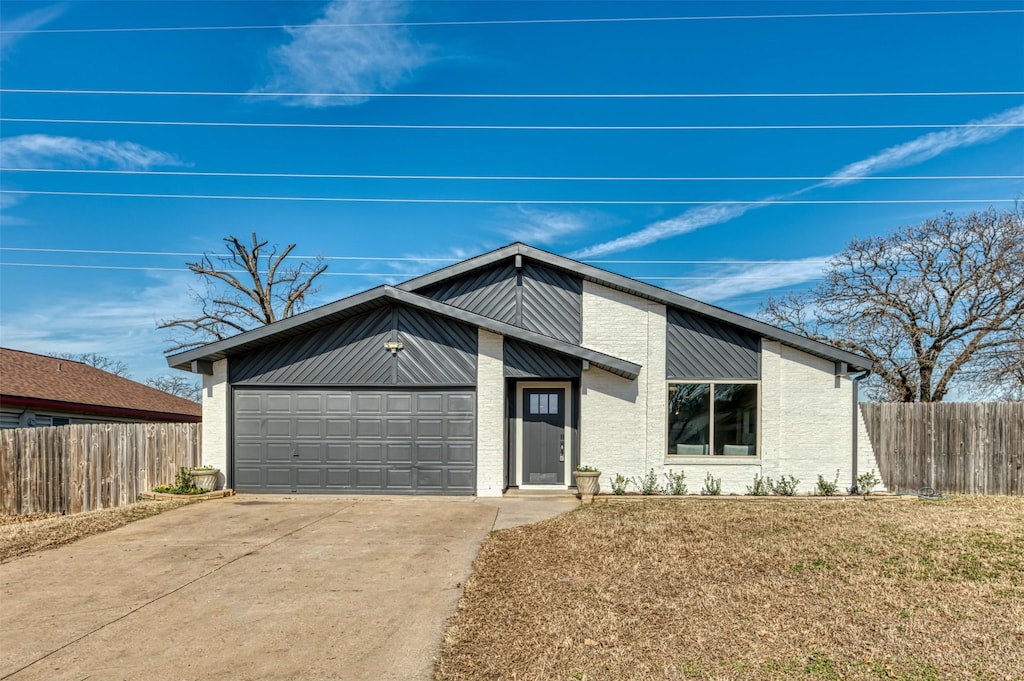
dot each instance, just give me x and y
(252, 587)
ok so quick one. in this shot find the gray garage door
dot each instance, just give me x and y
(355, 441)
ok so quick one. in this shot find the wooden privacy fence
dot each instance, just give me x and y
(969, 448)
(70, 469)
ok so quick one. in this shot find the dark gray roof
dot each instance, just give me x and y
(385, 295)
(639, 288)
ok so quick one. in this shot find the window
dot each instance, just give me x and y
(717, 419)
(543, 404)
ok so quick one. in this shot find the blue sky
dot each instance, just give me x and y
(677, 233)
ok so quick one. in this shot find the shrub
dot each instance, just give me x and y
(785, 487)
(648, 484)
(762, 486)
(674, 483)
(183, 480)
(826, 488)
(712, 485)
(619, 483)
(867, 482)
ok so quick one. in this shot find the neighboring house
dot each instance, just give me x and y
(36, 390)
(507, 370)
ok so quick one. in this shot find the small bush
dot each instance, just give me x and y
(826, 488)
(619, 483)
(674, 484)
(712, 485)
(867, 482)
(786, 485)
(762, 487)
(648, 484)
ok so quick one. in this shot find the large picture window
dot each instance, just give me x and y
(716, 419)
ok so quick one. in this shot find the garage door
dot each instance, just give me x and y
(355, 441)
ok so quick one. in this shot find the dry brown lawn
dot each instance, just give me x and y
(720, 589)
(24, 534)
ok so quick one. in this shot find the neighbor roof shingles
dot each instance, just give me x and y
(30, 376)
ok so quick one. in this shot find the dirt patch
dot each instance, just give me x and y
(43, 531)
(689, 590)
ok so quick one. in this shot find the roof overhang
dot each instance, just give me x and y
(199, 359)
(638, 288)
(95, 409)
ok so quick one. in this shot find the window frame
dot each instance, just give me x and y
(711, 457)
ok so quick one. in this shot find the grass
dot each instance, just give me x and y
(757, 590)
(20, 535)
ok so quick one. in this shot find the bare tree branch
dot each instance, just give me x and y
(936, 305)
(111, 366)
(252, 285)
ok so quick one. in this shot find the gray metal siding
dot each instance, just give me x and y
(527, 361)
(436, 351)
(702, 348)
(490, 292)
(552, 303)
(361, 441)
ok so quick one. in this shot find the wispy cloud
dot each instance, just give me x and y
(736, 280)
(49, 151)
(900, 156)
(931, 145)
(31, 21)
(536, 226)
(362, 58)
(120, 323)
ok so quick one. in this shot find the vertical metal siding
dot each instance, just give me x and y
(436, 351)
(490, 292)
(552, 302)
(351, 352)
(527, 361)
(701, 348)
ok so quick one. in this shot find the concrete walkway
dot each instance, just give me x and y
(253, 587)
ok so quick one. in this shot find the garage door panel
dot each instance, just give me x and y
(355, 441)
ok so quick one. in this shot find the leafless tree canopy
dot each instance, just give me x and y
(251, 286)
(936, 305)
(111, 366)
(179, 386)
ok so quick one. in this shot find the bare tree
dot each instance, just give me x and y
(265, 291)
(111, 366)
(179, 386)
(936, 305)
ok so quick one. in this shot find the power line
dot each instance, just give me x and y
(180, 254)
(511, 95)
(595, 202)
(398, 275)
(511, 178)
(512, 22)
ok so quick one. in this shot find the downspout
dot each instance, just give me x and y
(855, 380)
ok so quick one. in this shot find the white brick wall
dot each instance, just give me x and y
(490, 415)
(215, 420)
(621, 420)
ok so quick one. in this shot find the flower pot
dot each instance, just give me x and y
(205, 478)
(587, 485)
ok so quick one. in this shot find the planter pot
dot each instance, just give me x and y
(587, 485)
(205, 478)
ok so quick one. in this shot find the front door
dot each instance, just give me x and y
(544, 446)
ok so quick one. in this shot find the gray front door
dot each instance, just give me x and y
(544, 436)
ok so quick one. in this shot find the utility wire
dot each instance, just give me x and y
(510, 178)
(594, 202)
(179, 254)
(457, 126)
(402, 275)
(514, 95)
(513, 22)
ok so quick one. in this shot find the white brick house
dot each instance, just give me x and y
(511, 368)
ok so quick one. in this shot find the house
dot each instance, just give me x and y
(508, 370)
(36, 390)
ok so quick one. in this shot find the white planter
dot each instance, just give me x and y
(587, 485)
(205, 478)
